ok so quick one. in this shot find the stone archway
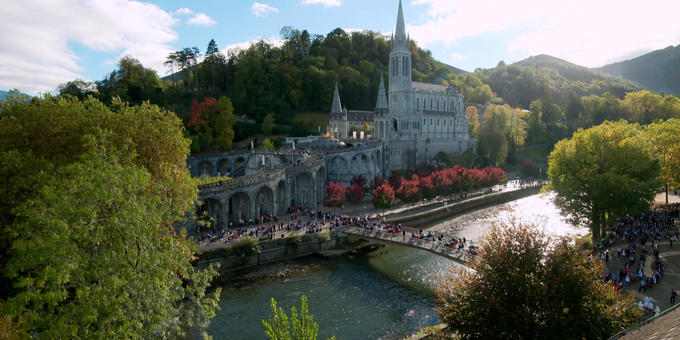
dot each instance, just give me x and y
(211, 210)
(356, 165)
(320, 181)
(364, 167)
(304, 190)
(205, 168)
(223, 167)
(281, 197)
(339, 165)
(239, 208)
(264, 201)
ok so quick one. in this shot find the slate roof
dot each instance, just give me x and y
(666, 326)
(360, 116)
(428, 87)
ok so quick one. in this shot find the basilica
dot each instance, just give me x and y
(414, 120)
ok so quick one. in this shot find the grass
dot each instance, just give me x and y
(210, 180)
(314, 118)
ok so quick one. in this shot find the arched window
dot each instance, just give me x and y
(418, 103)
(394, 125)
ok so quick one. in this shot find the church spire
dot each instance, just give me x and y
(400, 31)
(381, 103)
(399, 39)
(336, 107)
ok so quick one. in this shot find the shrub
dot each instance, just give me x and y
(355, 193)
(334, 194)
(383, 196)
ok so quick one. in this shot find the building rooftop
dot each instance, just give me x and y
(666, 326)
(429, 87)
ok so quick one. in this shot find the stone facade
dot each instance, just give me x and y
(418, 121)
(272, 181)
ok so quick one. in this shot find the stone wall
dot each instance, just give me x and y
(425, 218)
(275, 251)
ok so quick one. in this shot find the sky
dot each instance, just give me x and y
(48, 42)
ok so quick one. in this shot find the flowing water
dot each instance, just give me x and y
(384, 294)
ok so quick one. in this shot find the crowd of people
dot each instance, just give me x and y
(307, 221)
(638, 239)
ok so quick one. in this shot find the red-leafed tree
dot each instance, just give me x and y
(426, 186)
(355, 193)
(213, 122)
(383, 196)
(361, 181)
(377, 181)
(410, 190)
(395, 181)
(494, 175)
(334, 194)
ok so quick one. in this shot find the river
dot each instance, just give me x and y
(384, 294)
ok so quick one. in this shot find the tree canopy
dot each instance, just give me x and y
(90, 196)
(603, 172)
(527, 285)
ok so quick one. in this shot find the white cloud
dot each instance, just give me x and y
(201, 19)
(459, 56)
(585, 32)
(325, 3)
(262, 10)
(244, 45)
(184, 11)
(35, 50)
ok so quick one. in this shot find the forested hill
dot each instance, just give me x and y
(658, 71)
(300, 75)
(550, 79)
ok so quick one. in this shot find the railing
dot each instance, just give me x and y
(431, 245)
(257, 177)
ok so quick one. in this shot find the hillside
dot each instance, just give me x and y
(3, 94)
(550, 78)
(658, 71)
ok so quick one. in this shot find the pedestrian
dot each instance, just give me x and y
(673, 295)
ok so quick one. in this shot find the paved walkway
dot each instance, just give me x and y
(661, 292)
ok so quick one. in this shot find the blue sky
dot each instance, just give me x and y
(48, 43)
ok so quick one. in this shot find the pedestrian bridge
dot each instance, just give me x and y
(461, 256)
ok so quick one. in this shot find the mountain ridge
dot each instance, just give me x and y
(657, 71)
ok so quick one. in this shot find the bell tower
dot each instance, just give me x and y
(400, 68)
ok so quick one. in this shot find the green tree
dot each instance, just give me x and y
(268, 124)
(501, 132)
(224, 123)
(603, 172)
(132, 82)
(78, 88)
(213, 57)
(527, 285)
(90, 198)
(536, 128)
(297, 327)
(664, 140)
(472, 115)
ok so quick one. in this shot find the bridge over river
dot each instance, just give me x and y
(430, 244)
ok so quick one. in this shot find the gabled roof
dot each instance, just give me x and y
(428, 87)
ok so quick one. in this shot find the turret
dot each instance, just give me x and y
(381, 102)
(336, 107)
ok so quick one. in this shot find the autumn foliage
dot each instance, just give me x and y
(383, 196)
(334, 194)
(355, 193)
(427, 184)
